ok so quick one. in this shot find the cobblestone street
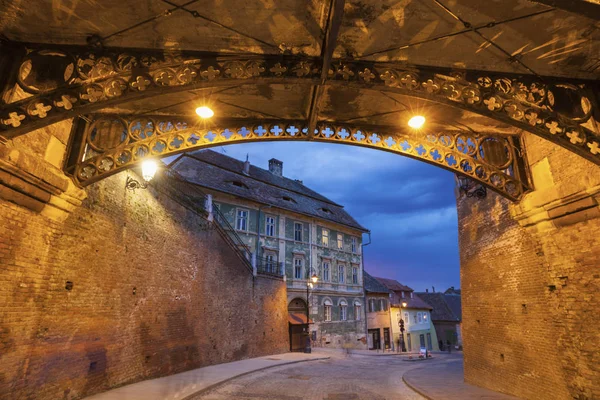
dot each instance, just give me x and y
(341, 378)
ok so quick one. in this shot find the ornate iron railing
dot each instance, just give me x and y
(191, 196)
(268, 266)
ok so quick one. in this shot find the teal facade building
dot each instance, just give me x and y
(290, 228)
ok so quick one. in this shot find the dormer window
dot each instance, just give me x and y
(239, 184)
(325, 210)
(287, 198)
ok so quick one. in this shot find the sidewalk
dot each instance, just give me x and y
(445, 380)
(182, 385)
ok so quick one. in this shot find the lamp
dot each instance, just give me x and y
(314, 278)
(469, 187)
(204, 112)
(404, 304)
(416, 122)
(149, 168)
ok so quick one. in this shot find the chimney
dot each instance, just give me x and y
(246, 170)
(276, 167)
(433, 289)
(426, 290)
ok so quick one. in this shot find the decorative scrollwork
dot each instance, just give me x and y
(75, 83)
(112, 143)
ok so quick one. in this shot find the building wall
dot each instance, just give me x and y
(335, 333)
(130, 286)
(531, 284)
(379, 319)
(413, 329)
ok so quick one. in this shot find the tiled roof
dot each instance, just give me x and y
(446, 307)
(415, 302)
(372, 285)
(218, 172)
(393, 284)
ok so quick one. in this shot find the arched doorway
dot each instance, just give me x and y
(298, 324)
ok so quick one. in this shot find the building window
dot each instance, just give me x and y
(357, 310)
(415, 318)
(325, 237)
(406, 318)
(354, 244)
(343, 310)
(270, 263)
(402, 294)
(371, 305)
(241, 223)
(297, 268)
(326, 271)
(341, 277)
(383, 305)
(355, 275)
(340, 241)
(298, 231)
(269, 226)
(327, 310)
(424, 317)
(420, 317)
(411, 295)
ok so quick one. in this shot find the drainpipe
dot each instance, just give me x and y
(362, 261)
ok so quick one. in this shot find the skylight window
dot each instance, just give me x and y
(239, 184)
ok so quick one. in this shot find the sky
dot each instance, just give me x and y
(408, 205)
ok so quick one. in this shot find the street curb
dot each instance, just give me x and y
(216, 385)
(414, 388)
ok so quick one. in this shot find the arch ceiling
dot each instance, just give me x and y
(486, 69)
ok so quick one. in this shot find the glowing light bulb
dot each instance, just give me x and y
(148, 170)
(204, 112)
(416, 122)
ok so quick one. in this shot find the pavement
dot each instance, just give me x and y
(181, 386)
(445, 380)
(330, 375)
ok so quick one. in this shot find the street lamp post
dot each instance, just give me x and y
(314, 278)
(401, 325)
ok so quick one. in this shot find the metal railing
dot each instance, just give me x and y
(192, 197)
(268, 266)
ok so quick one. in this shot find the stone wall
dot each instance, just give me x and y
(531, 282)
(129, 286)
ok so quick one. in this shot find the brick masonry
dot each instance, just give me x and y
(531, 283)
(130, 286)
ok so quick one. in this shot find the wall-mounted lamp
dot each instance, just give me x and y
(404, 304)
(149, 168)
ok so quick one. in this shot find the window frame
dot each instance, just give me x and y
(327, 311)
(420, 317)
(301, 260)
(324, 237)
(271, 262)
(355, 275)
(357, 311)
(270, 225)
(340, 241)
(406, 318)
(343, 311)
(238, 219)
(342, 269)
(354, 245)
(298, 233)
(326, 278)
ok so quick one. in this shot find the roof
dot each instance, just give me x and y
(216, 171)
(393, 284)
(446, 307)
(372, 285)
(415, 302)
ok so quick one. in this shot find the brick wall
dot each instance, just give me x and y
(131, 286)
(531, 282)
